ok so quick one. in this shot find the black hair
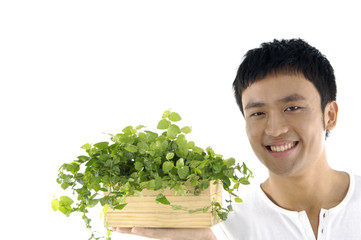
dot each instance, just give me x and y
(294, 56)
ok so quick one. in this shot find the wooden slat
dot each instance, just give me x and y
(189, 191)
(162, 220)
(145, 212)
(148, 204)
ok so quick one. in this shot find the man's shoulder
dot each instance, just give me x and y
(254, 204)
(356, 186)
(357, 179)
(254, 218)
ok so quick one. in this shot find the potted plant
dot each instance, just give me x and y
(147, 164)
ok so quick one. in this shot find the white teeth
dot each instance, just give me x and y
(282, 148)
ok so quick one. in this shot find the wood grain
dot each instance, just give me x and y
(145, 212)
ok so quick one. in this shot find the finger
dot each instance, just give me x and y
(149, 232)
(173, 233)
(122, 230)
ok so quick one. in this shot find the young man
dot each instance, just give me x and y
(286, 92)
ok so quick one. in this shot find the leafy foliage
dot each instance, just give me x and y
(139, 159)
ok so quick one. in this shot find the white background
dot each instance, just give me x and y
(71, 70)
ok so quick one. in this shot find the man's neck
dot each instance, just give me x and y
(321, 187)
(311, 191)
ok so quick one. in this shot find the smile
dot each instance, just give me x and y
(281, 148)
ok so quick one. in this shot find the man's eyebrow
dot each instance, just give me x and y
(254, 105)
(291, 98)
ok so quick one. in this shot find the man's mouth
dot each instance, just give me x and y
(281, 148)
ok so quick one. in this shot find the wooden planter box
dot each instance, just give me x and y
(145, 212)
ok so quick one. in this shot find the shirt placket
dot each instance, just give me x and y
(306, 225)
(322, 227)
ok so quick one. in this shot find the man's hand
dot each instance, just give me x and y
(170, 233)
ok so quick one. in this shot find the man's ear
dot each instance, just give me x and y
(331, 111)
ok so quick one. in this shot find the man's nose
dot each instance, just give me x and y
(276, 125)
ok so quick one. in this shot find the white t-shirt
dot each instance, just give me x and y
(259, 218)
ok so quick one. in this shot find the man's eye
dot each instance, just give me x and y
(293, 108)
(257, 114)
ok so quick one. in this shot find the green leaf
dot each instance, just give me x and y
(64, 200)
(230, 162)
(142, 136)
(86, 146)
(86, 219)
(245, 169)
(91, 162)
(217, 167)
(151, 185)
(158, 183)
(142, 147)
(205, 209)
(173, 131)
(129, 130)
(204, 184)
(228, 173)
(83, 158)
(195, 210)
(182, 146)
(169, 156)
(151, 136)
(108, 163)
(196, 170)
(157, 160)
(166, 114)
(197, 149)
(180, 163)
(55, 204)
(138, 166)
(226, 182)
(183, 172)
(210, 151)
(106, 179)
(167, 166)
(223, 215)
(120, 206)
(163, 124)
(178, 207)
(116, 160)
(204, 162)
(174, 117)
(244, 181)
(64, 185)
(217, 205)
(238, 200)
(230, 208)
(105, 210)
(116, 170)
(190, 145)
(65, 210)
(65, 205)
(181, 139)
(139, 127)
(162, 199)
(138, 193)
(131, 148)
(186, 130)
(93, 202)
(101, 145)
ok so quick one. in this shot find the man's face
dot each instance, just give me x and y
(285, 123)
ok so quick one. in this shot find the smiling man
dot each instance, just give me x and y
(286, 92)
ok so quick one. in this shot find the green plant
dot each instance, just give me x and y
(139, 159)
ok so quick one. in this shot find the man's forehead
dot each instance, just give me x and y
(279, 88)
